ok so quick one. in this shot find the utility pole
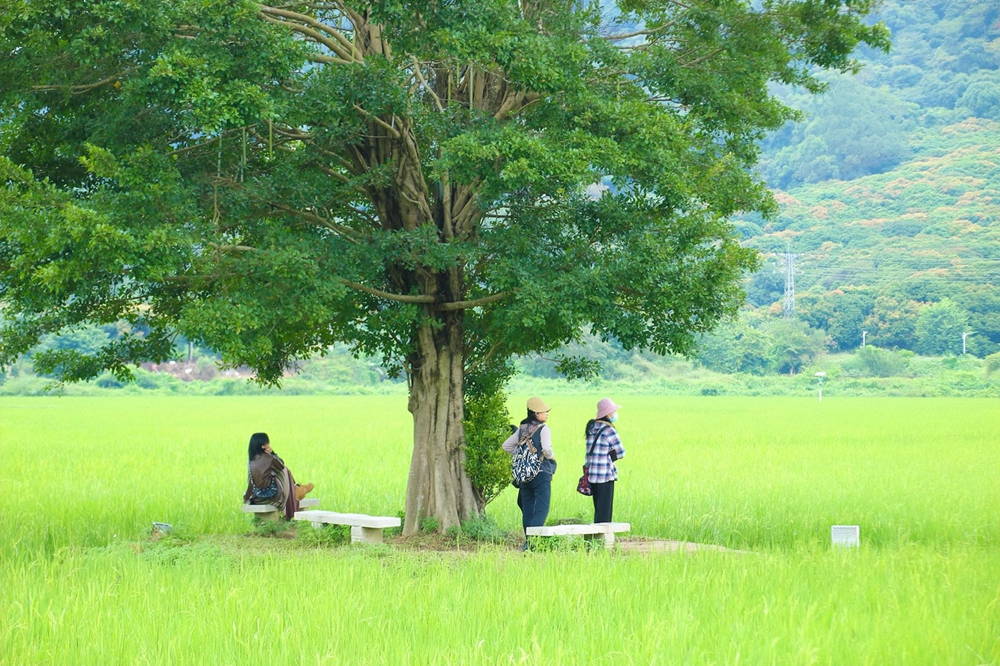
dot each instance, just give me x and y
(788, 305)
(864, 334)
(963, 343)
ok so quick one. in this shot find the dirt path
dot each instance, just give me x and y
(666, 546)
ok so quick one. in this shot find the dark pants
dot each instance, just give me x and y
(533, 500)
(604, 500)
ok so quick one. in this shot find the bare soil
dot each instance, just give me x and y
(667, 546)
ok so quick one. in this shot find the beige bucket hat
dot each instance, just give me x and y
(537, 405)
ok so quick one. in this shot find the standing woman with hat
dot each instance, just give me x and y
(603, 449)
(533, 496)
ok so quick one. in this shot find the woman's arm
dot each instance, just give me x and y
(615, 447)
(510, 443)
(546, 439)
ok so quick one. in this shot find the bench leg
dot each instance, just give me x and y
(270, 516)
(609, 540)
(366, 534)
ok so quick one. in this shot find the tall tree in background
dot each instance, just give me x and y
(443, 184)
(940, 327)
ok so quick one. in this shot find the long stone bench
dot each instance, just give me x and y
(608, 530)
(270, 512)
(364, 529)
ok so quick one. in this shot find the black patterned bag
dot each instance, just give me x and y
(527, 460)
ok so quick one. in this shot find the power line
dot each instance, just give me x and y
(977, 270)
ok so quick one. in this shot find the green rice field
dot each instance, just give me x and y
(85, 582)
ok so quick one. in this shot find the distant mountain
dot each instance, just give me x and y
(889, 191)
(944, 67)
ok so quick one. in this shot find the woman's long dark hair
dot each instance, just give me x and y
(591, 422)
(531, 418)
(257, 442)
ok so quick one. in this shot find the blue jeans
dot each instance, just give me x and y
(533, 500)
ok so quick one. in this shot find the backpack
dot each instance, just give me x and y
(527, 460)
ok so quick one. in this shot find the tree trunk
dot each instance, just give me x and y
(438, 486)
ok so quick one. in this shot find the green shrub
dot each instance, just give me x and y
(874, 362)
(992, 363)
(487, 425)
(270, 528)
(109, 381)
(483, 529)
(327, 535)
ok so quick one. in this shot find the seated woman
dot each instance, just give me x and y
(269, 481)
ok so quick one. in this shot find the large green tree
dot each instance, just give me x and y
(940, 327)
(445, 184)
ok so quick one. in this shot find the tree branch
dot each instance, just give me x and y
(319, 25)
(76, 90)
(466, 211)
(638, 33)
(692, 63)
(479, 302)
(351, 168)
(426, 86)
(510, 100)
(327, 60)
(311, 34)
(195, 146)
(483, 359)
(291, 133)
(348, 233)
(420, 300)
(231, 248)
(392, 130)
(333, 173)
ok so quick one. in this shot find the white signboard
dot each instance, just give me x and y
(848, 536)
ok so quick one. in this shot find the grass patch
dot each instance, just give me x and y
(86, 582)
(323, 536)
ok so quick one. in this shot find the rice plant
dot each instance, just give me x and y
(89, 582)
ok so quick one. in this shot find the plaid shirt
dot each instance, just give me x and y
(600, 467)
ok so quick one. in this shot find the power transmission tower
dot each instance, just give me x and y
(788, 305)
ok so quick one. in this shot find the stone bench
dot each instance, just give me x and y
(608, 530)
(270, 512)
(364, 529)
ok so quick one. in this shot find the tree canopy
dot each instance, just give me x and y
(442, 184)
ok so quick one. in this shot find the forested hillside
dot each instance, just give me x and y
(889, 197)
(943, 68)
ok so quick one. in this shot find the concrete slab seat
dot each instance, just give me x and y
(364, 529)
(270, 512)
(608, 530)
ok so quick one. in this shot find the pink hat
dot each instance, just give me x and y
(605, 407)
